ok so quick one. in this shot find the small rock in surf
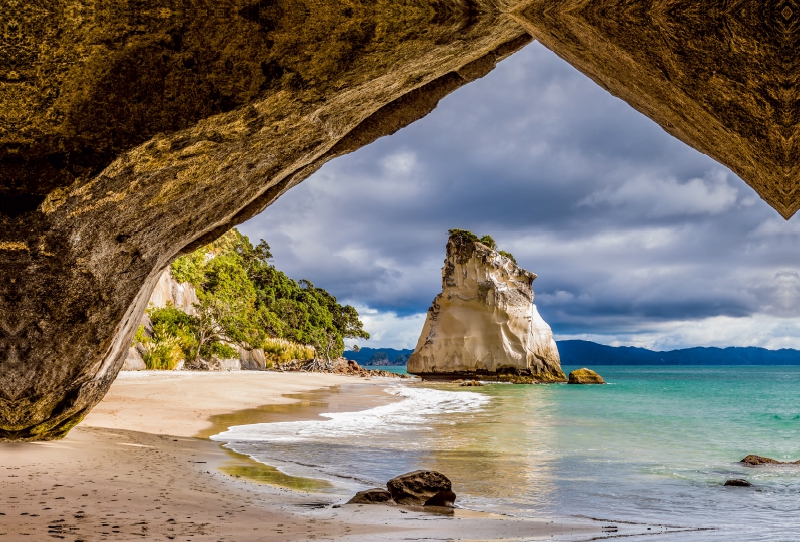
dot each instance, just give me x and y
(372, 496)
(585, 376)
(738, 483)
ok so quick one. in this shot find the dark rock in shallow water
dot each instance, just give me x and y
(585, 376)
(422, 488)
(372, 496)
(756, 460)
(738, 483)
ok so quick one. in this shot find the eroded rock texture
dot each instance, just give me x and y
(133, 130)
(484, 322)
(722, 76)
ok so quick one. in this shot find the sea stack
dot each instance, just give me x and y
(484, 324)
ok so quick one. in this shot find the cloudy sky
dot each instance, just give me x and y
(636, 238)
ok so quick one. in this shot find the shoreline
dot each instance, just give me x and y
(130, 479)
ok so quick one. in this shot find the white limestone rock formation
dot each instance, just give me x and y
(182, 295)
(484, 323)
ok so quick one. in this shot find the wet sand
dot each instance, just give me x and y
(136, 470)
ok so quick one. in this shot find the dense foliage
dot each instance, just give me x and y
(245, 300)
(485, 240)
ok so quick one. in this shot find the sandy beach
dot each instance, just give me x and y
(138, 468)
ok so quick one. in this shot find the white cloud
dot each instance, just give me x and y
(402, 162)
(388, 330)
(668, 196)
(776, 226)
(756, 330)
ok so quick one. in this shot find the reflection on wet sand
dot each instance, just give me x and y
(506, 450)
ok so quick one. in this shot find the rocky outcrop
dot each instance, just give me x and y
(133, 361)
(585, 376)
(422, 488)
(757, 461)
(252, 360)
(484, 322)
(135, 132)
(372, 496)
(169, 291)
(339, 366)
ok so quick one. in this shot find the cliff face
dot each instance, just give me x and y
(484, 322)
(181, 295)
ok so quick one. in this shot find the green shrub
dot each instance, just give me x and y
(486, 240)
(163, 350)
(468, 235)
(489, 242)
(178, 325)
(221, 350)
(139, 336)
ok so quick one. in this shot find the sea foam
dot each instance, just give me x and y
(413, 412)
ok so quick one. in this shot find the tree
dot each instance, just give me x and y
(245, 300)
(325, 342)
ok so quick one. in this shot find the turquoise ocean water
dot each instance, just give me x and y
(654, 445)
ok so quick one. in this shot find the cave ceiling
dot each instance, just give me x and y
(721, 76)
(134, 130)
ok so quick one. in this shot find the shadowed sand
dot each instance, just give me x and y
(135, 469)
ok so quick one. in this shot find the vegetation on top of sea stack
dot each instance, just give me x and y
(244, 300)
(485, 240)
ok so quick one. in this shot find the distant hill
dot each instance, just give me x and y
(589, 353)
(379, 356)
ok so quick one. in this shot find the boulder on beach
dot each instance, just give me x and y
(422, 488)
(484, 322)
(252, 360)
(372, 496)
(585, 376)
(472, 383)
(738, 482)
(133, 361)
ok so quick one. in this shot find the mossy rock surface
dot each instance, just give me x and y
(585, 376)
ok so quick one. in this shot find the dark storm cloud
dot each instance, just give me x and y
(627, 228)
